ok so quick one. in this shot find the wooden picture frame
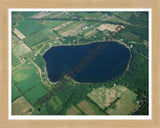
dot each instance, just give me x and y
(4, 76)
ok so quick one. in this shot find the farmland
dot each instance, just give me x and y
(35, 93)
(28, 27)
(73, 111)
(29, 83)
(114, 100)
(23, 72)
(34, 33)
(86, 108)
(21, 107)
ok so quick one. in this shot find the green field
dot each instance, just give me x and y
(29, 83)
(14, 38)
(28, 27)
(52, 23)
(36, 93)
(125, 105)
(23, 72)
(28, 14)
(15, 61)
(69, 26)
(115, 19)
(88, 14)
(124, 15)
(39, 37)
(56, 103)
(35, 39)
(96, 109)
(15, 93)
(20, 49)
(99, 96)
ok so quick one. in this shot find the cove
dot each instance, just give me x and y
(89, 63)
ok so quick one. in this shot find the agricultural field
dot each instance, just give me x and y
(22, 107)
(88, 15)
(99, 97)
(73, 111)
(112, 97)
(74, 31)
(23, 72)
(20, 49)
(124, 15)
(126, 105)
(86, 108)
(52, 23)
(69, 27)
(28, 14)
(15, 61)
(14, 38)
(115, 19)
(28, 27)
(34, 94)
(18, 34)
(15, 93)
(29, 83)
(40, 15)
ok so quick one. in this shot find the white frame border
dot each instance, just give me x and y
(68, 117)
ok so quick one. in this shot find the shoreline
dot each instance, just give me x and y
(122, 43)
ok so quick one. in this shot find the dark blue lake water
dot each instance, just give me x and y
(95, 62)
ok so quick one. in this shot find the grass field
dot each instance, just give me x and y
(99, 97)
(14, 38)
(69, 26)
(73, 111)
(29, 83)
(56, 102)
(23, 72)
(131, 36)
(15, 61)
(124, 15)
(35, 39)
(125, 100)
(28, 27)
(49, 33)
(86, 108)
(52, 23)
(88, 14)
(96, 109)
(28, 14)
(21, 107)
(36, 93)
(126, 105)
(20, 49)
(39, 37)
(15, 93)
(117, 20)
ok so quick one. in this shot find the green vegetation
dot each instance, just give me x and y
(35, 39)
(28, 14)
(23, 72)
(28, 27)
(15, 93)
(29, 83)
(52, 23)
(15, 61)
(39, 61)
(96, 109)
(35, 93)
(14, 38)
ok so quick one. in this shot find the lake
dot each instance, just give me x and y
(94, 62)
